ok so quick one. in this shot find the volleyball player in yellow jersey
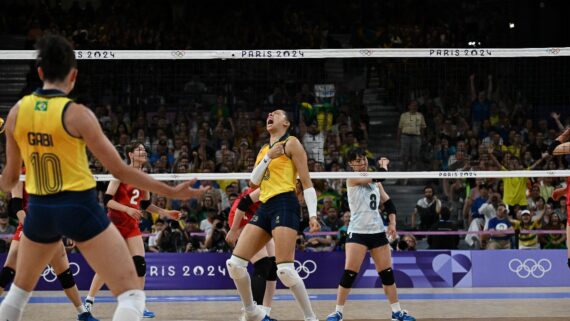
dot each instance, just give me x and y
(49, 133)
(278, 216)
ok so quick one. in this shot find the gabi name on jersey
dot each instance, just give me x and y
(40, 139)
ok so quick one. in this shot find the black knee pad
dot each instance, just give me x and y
(66, 279)
(140, 265)
(348, 278)
(262, 267)
(387, 276)
(6, 276)
(272, 276)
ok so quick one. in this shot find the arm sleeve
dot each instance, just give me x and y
(259, 170)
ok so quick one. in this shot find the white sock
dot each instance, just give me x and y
(339, 308)
(13, 305)
(131, 306)
(302, 298)
(90, 298)
(395, 307)
(80, 309)
(265, 309)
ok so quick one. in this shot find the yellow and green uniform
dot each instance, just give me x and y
(55, 161)
(280, 176)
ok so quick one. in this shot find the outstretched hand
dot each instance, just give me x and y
(184, 191)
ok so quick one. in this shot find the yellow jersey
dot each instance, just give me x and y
(280, 176)
(55, 161)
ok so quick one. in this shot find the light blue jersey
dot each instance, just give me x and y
(364, 201)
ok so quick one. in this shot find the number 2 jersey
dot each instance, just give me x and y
(130, 196)
(364, 201)
(55, 161)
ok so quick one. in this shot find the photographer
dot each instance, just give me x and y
(172, 239)
(216, 238)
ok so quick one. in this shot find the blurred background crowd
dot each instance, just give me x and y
(205, 117)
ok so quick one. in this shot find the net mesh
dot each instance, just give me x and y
(352, 101)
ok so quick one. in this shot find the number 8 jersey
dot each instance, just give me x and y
(55, 161)
(364, 201)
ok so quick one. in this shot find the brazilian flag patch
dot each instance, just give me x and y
(41, 105)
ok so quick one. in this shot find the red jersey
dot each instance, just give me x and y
(248, 214)
(130, 196)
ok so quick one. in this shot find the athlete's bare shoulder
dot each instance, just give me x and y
(78, 118)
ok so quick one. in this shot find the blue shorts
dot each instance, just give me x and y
(76, 215)
(371, 241)
(280, 210)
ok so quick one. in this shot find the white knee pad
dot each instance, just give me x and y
(130, 305)
(287, 274)
(237, 267)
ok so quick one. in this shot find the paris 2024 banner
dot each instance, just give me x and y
(421, 269)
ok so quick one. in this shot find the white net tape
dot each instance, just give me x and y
(301, 53)
(345, 175)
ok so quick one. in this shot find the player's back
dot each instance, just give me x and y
(55, 160)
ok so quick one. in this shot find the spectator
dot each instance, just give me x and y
(500, 224)
(515, 187)
(407, 243)
(172, 239)
(342, 231)
(195, 243)
(5, 229)
(410, 131)
(428, 209)
(527, 222)
(443, 242)
(153, 238)
(216, 236)
(313, 140)
(206, 224)
(481, 104)
(332, 220)
(554, 241)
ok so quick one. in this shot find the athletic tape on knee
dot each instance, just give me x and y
(6, 276)
(272, 276)
(237, 267)
(140, 265)
(66, 279)
(287, 274)
(348, 278)
(387, 276)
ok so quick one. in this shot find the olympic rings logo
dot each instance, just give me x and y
(530, 267)
(49, 274)
(178, 53)
(306, 268)
(366, 52)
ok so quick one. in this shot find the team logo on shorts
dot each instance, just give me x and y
(254, 218)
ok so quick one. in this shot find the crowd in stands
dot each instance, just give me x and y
(202, 25)
(489, 130)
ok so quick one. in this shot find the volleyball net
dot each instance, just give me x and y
(202, 115)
